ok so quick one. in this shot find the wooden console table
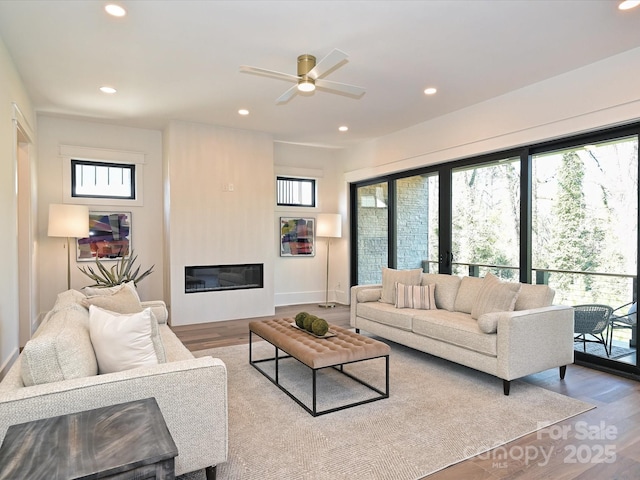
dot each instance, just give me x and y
(124, 441)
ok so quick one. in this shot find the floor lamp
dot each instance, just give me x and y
(68, 221)
(329, 226)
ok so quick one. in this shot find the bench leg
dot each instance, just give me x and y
(563, 371)
(211, 472)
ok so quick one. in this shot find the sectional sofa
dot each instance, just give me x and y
(69, 367)
(506, 329)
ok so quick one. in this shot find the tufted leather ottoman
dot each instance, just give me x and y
(317, 353)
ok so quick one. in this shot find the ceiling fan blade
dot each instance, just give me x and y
(269, 73)
(327, 63)
(341, 87)
(286, 96)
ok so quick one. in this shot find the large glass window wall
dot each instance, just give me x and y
(563, 213)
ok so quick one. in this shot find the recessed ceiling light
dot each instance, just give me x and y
(430, 91)
(243, 111)
(628, 4)
(108, 90)
(343, 128)
(115, 10)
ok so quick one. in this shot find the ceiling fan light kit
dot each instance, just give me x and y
(309, 76)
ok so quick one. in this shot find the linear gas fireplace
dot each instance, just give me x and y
(212, 278)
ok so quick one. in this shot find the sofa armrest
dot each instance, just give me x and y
(192, 395)
(368, 293)
(531, 341)
(159, 309)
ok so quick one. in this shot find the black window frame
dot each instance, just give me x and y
(311, 181)
(125, 166)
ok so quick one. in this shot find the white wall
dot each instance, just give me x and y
(210, 225)
(11, 91)
(300, 280)
(146, 229)
(602, 94)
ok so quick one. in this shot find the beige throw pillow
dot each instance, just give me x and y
(421, 297)
(123, 300)
(122, 342)
(495, 296)
(389, 279)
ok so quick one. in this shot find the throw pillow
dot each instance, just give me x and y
(389, 279)
(124, 300)
(91, 291)
(122, 341)
(495, 296)
(421, 297)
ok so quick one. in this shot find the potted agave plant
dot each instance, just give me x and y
(122, 272)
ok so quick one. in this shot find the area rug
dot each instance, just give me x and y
(438, 414)
(598, 349)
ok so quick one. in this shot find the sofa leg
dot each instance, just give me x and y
(357, 330)
(563, 371)
(211, 472)
(506, 385)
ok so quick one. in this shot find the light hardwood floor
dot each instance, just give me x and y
(572, 449)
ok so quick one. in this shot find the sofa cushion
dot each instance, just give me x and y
(122, 300)
(389, 279)
(421, 297)
(534, 296)
(495, 296)
(455, 328)
(61, 350)
(467, 293)
(446, 288)
(386, 314)
(124, 341)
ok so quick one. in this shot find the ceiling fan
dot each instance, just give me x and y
(310, 76)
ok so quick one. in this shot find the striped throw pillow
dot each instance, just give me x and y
(421, 297)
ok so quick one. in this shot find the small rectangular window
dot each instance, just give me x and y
(102, 180)
(296, 192)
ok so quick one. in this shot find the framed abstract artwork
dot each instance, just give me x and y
(109, 237)
(297, 237)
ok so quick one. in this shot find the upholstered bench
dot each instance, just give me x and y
(344, 347)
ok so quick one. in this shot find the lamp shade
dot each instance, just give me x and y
(68, 220)
(329, 225)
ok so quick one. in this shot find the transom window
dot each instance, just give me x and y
(296, 192)
(102, 180)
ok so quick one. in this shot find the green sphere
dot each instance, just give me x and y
(308, 322)
(320, 327)
(300, 319)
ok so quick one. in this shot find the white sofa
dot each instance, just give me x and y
(505, 329)
(191, 392)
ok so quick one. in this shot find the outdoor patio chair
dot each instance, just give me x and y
(621, 320)
(592, 320)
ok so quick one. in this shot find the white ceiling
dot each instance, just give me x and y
(179, 60)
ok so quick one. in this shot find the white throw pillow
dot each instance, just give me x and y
(124, 341)
(421, 297)
(389, 279)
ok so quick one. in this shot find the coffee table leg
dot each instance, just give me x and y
(314, 391)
